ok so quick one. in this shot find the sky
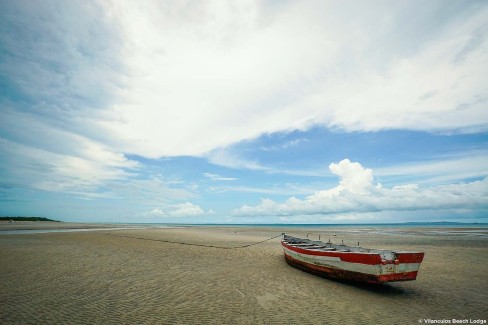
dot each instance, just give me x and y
(244, 111)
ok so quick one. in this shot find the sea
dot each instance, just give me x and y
(431, 228)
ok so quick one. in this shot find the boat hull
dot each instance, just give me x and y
(370, 268)
(338, 274)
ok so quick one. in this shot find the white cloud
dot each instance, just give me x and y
(151, 190)
(61, 59)
(286, 145)
(61, 69)
(443, 169)
(227, 158)
(166, 79)
(354, 177)
(278, 189)
(356, 193)
(438, 169)
(233, 71)
(58, 161)
(179, 211)
(37, 155)
(215, 177)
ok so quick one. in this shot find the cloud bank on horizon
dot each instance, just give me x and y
(151, 110)
(356, 192)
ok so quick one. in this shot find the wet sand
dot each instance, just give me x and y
(96, 278)
(53, 225)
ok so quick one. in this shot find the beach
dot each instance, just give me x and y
(143, 276)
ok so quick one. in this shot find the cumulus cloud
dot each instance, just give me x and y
(179, 211)
(354, 177)
(356, 193)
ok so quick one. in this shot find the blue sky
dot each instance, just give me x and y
(245, 111)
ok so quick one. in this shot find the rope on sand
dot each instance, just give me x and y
(192, 244)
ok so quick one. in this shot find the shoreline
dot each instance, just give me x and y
(406, 229)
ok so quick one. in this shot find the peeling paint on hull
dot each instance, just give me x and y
(351, 263)
(339, 274)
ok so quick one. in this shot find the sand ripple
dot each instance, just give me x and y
(91, 278)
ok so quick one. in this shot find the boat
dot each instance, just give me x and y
(350, 263)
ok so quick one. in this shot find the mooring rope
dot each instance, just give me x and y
(193, 244)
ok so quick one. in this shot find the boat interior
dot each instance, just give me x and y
(315, 245)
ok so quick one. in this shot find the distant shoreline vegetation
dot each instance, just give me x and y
(26, 219)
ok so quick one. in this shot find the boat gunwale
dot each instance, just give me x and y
(353, 249)
(336, 251)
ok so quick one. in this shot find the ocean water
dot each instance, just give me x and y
(43, 231)
(430, 228)
(339, 225)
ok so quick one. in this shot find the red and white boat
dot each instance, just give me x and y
(351, 262)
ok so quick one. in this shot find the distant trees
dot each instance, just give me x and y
(26, 219)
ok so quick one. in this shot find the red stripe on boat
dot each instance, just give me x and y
(352, 257)
(362, 258)
(410, 257)
(340, 274)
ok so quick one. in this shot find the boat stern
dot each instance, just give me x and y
(404, 267)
